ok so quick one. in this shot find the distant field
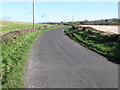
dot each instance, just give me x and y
(7, 26)
(105, 28)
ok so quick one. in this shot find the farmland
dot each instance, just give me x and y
(7, 26)
(105, 28)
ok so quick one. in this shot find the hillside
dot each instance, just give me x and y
(7, 26)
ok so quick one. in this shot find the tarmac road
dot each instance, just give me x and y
(55, 61)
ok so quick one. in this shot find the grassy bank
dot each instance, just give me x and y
(96, 42)
(15, 51)
(8, 26)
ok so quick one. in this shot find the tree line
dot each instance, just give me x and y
(114, 21)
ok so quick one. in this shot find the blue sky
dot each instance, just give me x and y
(58, 11)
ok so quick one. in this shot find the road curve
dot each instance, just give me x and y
(55, 61)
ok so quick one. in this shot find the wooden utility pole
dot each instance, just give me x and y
(73, 18)
(33, 14)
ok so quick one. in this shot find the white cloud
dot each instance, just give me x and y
(43, 16)
(6, 18)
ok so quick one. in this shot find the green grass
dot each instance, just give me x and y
(96, 42)
(15, 52)
(15, 25)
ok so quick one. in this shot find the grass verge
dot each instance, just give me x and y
(96, 42)
(15, 51)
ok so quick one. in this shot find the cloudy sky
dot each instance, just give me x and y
(58, 11)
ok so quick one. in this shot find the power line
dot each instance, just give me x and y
(65, 7)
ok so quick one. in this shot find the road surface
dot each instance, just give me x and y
(55, 61)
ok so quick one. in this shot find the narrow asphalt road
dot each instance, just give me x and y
(55, 61)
